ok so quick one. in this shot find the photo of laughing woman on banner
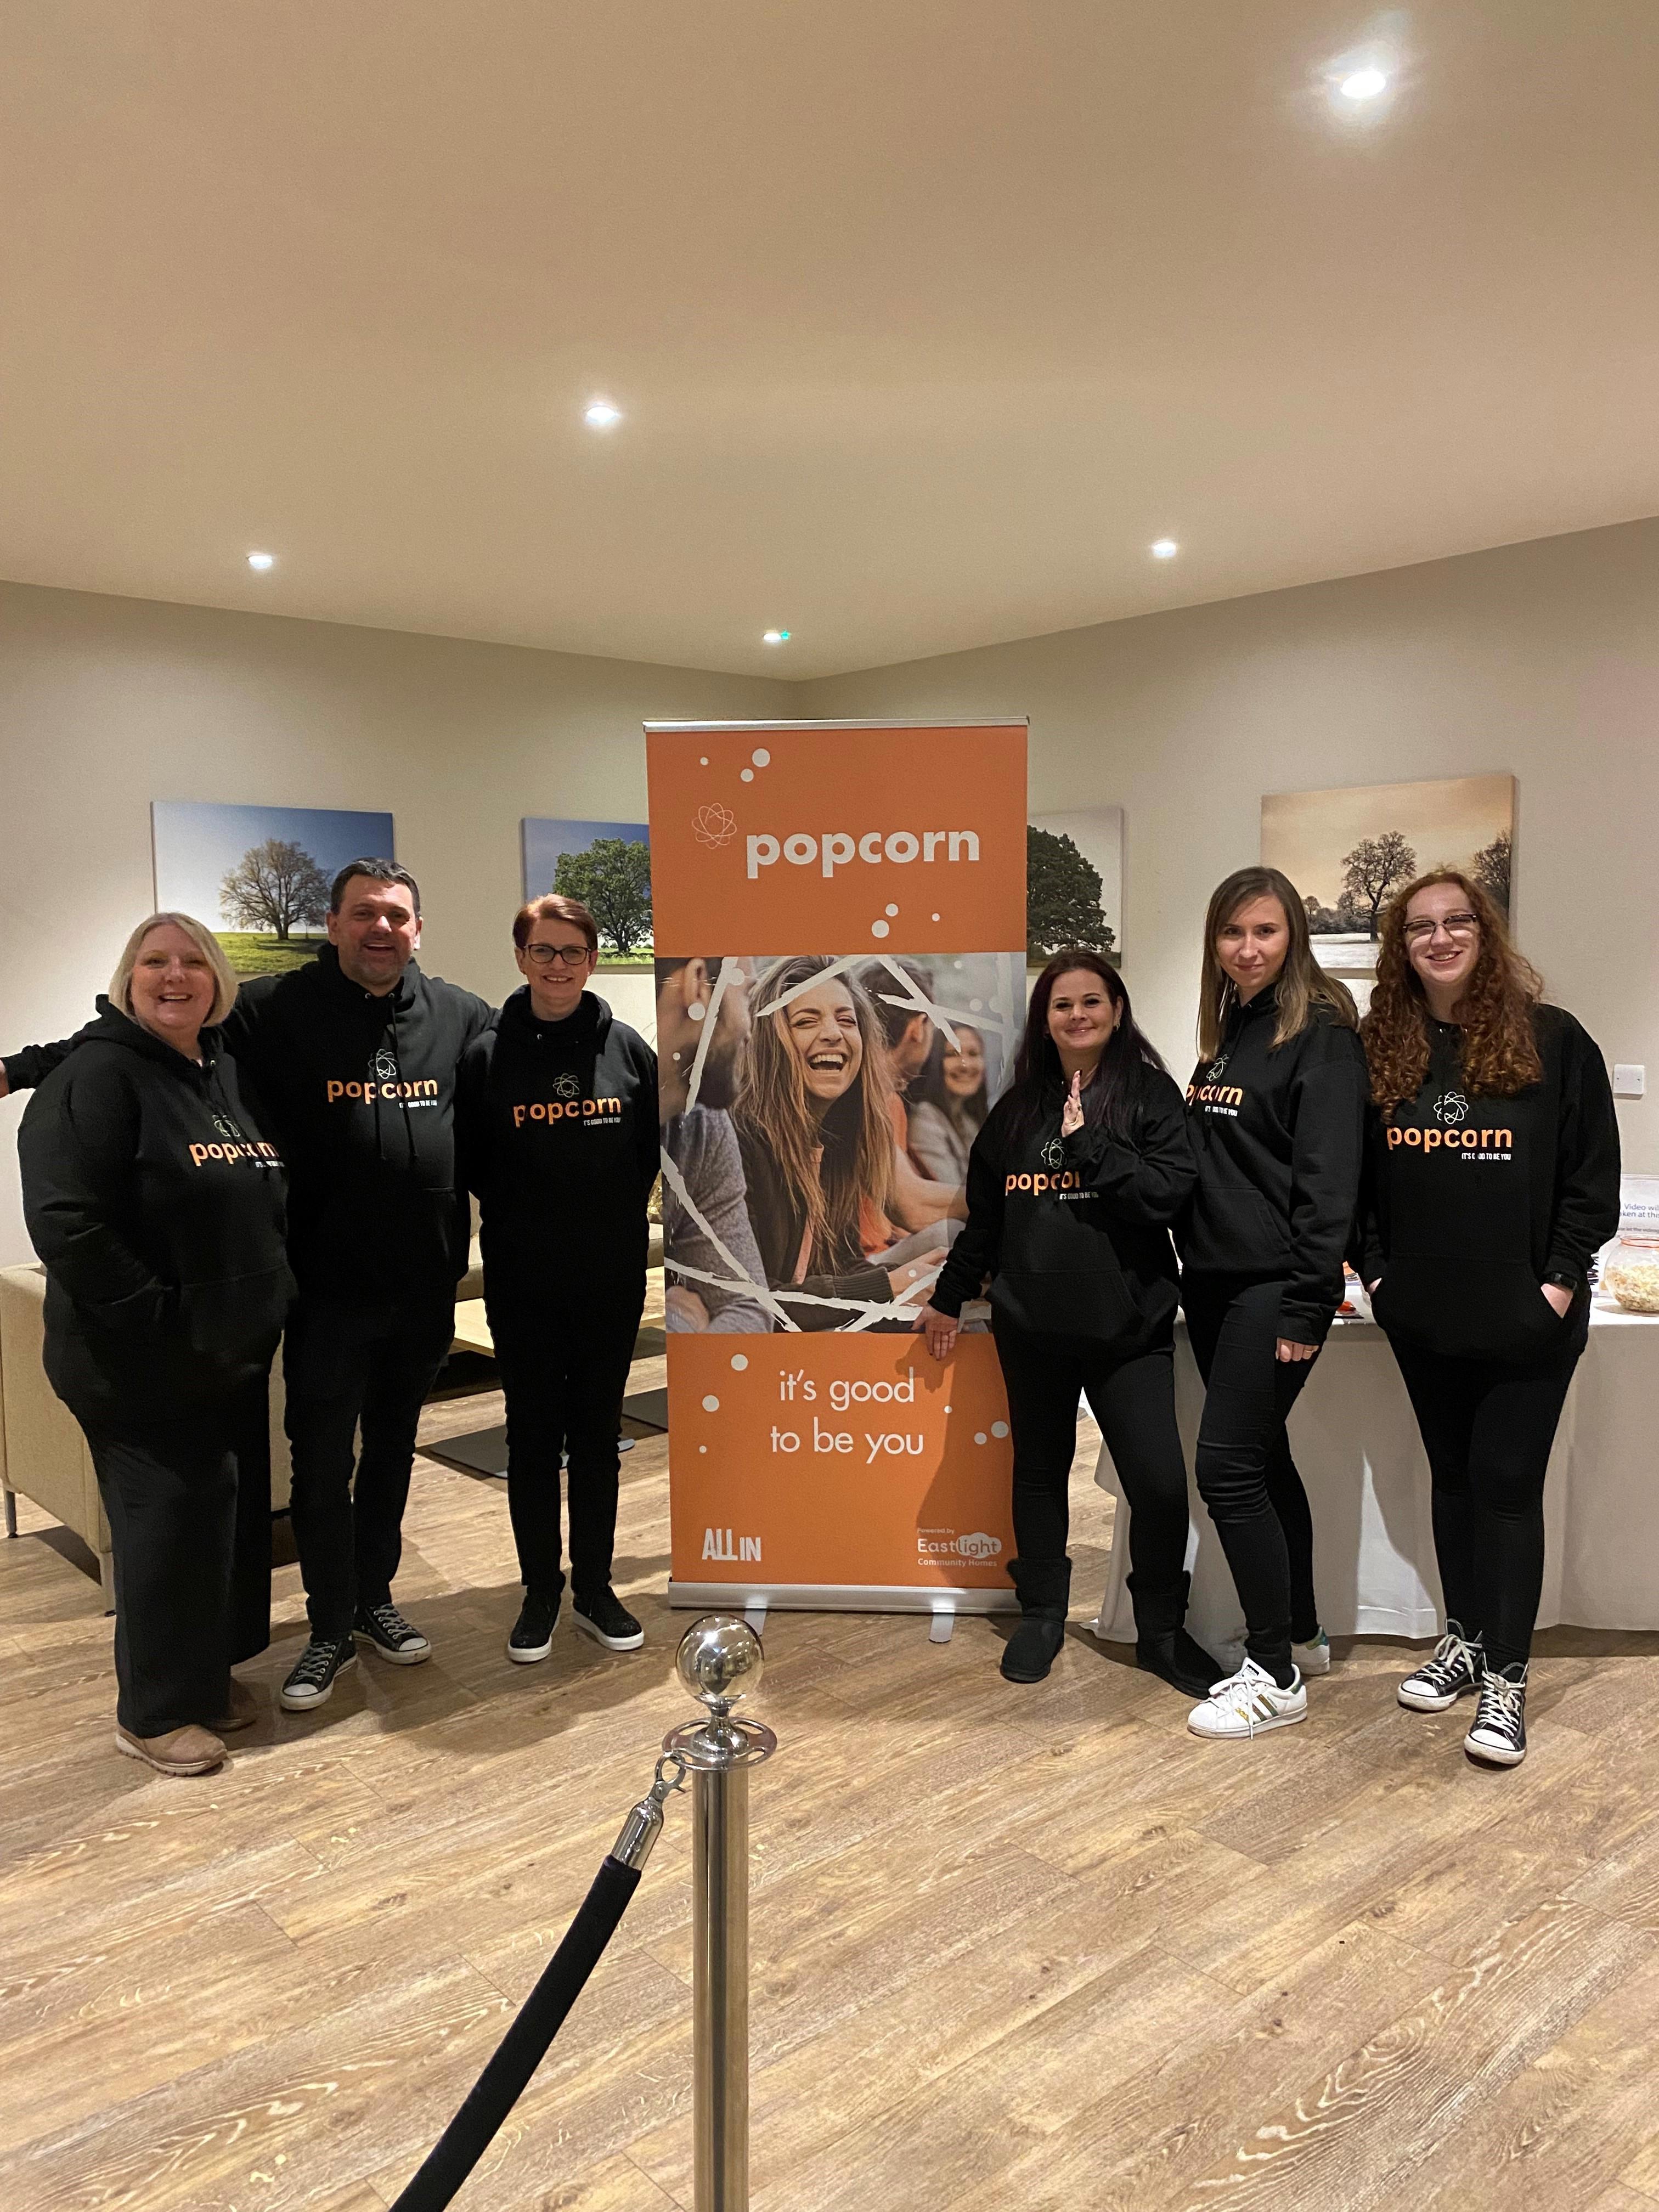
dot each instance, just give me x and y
(848, 1222)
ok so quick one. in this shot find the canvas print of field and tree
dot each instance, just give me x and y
(1074, 882)
(606, 865)
(1349, 852)
(259, 876)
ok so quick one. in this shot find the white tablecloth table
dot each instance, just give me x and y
(1357, 1445)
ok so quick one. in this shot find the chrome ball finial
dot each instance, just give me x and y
(720, 1661)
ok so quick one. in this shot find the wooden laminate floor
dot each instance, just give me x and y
(1010, 1947)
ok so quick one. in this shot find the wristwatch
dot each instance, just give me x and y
(1562, 1281)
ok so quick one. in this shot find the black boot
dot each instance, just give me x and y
(1045, 1591)
(1163, 1646)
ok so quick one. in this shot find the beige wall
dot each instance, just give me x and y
(1542, 659)
(107, 703)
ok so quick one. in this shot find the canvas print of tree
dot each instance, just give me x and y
(260, 876)
(1349, 852)
(1074, 881)
(606, 865)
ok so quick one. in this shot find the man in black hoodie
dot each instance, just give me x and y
(353, 1060)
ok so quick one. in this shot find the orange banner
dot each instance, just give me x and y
(817, 1108)
(839, 1460)
(912, 840)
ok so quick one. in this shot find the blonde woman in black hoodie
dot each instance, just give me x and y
(1276, 1108)
(158, 1209)
(1072, 1182)
(1491, 1180)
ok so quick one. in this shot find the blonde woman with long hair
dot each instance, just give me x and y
(1491, 1180)
(1276, 1109)
(815, 1127)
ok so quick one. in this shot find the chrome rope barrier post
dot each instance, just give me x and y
(720, 1662)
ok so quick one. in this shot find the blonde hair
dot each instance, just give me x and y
(225, 983)
(1302, 984)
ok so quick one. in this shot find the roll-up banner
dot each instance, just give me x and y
(817, 1108)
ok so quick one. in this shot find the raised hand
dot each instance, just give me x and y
(1071, 1113)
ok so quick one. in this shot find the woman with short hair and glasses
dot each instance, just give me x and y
(1492, 1180)
(557, 1127)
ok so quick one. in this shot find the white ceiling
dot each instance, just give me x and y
(927, 315)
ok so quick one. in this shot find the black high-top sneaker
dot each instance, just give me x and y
(601, 1614)
(1456, 1667)
(531, 1636)
(1498, 1737)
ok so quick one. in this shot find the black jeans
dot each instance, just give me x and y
(1243, 1467)
(1133, 1400)
(1488, 1428)
(564, 1380)
(188, 1499)
(345, 1364)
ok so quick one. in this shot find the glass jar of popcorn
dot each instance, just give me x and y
(1630, 1271)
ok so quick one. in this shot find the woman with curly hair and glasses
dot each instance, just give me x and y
(1492, 1180)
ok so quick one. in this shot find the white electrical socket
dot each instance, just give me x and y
(1630, 1080)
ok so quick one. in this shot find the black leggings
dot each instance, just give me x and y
(1487, 1429)
(564, 1379)
(1134, 1401)
(1245, 1473)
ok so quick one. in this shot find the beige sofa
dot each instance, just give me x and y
(43, 1454)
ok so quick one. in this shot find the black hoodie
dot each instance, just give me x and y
(559, 1137)
(1074, 1232)
(1277, 1136)
(1470, 1202)
(359, 1094)
(156, 1206)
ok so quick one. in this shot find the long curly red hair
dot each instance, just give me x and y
(1500, 1053)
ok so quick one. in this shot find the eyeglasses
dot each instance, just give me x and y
(573, 955)
(1454, 925)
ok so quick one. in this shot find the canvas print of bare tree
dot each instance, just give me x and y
(1349, 852)
(260, 876)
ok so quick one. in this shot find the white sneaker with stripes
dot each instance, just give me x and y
(1249, 1704)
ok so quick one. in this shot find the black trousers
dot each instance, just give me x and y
(1245, 1473)
(188, 1501)
(1488, 1428)
(564, 1381)
(1134, 1401)
(346, 1364)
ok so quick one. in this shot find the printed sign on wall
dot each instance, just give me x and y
(818, 1110)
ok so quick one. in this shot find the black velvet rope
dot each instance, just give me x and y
(522, 2048)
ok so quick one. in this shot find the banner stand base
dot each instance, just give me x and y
(844, 1597)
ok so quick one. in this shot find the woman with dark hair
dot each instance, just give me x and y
(949, 1104)
(1492, 1180)
(1276, 1106)
(1072, 1182)
(816, 1131)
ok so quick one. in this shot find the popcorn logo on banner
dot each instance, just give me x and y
(715, 824)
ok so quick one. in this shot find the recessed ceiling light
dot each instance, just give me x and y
(1363, 84)
(600, 414)
(774, 637)
(1164, 548)
(262, 561)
